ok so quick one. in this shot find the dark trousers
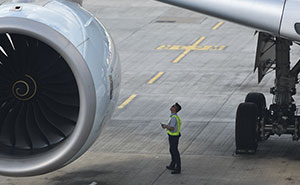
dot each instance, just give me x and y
(176, 161)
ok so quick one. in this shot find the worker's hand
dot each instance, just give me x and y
(164, 126)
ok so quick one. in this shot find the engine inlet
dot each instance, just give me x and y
(39, 98)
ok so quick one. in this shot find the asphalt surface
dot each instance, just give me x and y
(173, 55)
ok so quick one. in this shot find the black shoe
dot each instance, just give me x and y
(170, 167)
(176, 172)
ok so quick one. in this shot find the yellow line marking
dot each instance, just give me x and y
(198, 48)
(221, 48)
(127, 101)
(192, 47)
(188, 49)
(181, 56)
(198, 41)
(217, 25)
(156, 77)
(163, 47)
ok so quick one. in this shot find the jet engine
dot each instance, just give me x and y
(59, 83)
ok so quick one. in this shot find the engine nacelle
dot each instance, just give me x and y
(59, 84)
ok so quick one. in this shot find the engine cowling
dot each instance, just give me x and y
(59, 83)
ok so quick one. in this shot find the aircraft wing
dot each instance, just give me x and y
(278, 17)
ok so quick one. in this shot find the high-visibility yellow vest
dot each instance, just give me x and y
(178, 126)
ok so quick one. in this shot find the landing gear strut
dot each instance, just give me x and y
(254, 122)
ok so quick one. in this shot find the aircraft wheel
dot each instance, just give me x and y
(245, 128)
(260, 100)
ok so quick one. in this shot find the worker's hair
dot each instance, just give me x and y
(178, 107)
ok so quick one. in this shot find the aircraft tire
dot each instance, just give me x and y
(258, 99)
(245, 128)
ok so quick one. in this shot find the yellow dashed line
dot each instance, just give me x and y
(127, 101)
(217, 25)
(155, 77)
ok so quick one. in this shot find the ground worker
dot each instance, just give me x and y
(173, 130)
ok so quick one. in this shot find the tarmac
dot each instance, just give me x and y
(205, 64)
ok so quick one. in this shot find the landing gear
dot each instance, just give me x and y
(254, 122)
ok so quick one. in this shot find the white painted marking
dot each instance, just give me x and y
(10, 40)
(2, 50)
